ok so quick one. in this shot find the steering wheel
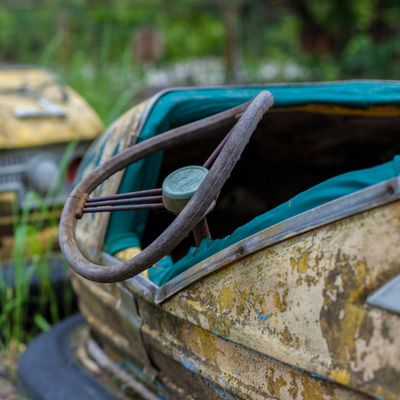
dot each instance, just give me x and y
(190, 192)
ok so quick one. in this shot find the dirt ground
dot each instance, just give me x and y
(8, 383)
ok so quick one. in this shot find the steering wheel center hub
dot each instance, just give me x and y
(179, 186)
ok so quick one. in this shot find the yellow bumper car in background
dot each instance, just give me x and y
(45, 128)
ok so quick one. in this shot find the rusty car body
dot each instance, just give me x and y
(298, 300)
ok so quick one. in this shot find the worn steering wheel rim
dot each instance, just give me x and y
(191, 214)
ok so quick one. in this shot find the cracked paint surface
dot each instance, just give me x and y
(315, 285)
(320, 329)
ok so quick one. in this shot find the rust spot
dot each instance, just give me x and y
(300, 264)
(340, 375)
(289, 339)
(294, 386)
(310, 280)
(312, 390)
(275, 384)
(280, 300)
(340, 317)
(226, 297)
(240, 251)
(391, 189)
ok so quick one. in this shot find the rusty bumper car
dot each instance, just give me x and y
(242, 242)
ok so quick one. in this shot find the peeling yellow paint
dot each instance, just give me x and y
(194, 303)
(280, 300)
(200, 342)
(302, 264)
(312, 391)
(275, 384)
(320, 321)
(225, 298)
(290, 339)
(341, 376)
(81, 122)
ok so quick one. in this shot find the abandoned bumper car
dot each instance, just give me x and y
(237, 242)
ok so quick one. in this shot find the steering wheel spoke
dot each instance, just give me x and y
(150, 199)
(132, 195)
(149, 206)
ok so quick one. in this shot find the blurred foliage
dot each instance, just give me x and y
(346, 38)
(90, 42)
(30, 299)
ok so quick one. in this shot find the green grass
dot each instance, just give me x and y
(109, 87)
(21, 314)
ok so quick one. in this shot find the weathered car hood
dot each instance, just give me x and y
(36, 109)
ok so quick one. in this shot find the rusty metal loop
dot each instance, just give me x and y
(194, 211)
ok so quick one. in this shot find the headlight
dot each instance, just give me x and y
(43, 174)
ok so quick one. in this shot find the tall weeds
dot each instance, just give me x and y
(29, 300)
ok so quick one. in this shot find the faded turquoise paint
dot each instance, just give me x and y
(178, 107)
(263, 317)
(329, 190)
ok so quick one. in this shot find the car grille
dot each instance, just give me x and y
(12, 168)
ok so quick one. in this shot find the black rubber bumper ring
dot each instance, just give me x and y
(48, 370)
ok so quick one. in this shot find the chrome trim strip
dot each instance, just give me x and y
(346, 206)
(138, 285)
(143, 287)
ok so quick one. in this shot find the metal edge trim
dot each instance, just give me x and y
(335, 210)
(346, 206)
